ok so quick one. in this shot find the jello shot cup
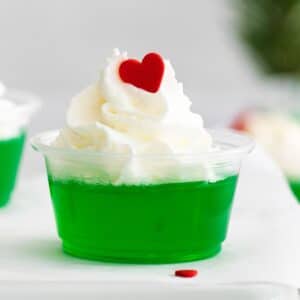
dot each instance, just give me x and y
(180, 218)
(16, 109)
(277, 130)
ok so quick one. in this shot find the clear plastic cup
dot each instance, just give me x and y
(176, 219)
(12, 143)
(279, 139)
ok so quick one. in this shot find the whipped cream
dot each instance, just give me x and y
(13, 116)
(9, 126)
(279, 134)
(114, 117)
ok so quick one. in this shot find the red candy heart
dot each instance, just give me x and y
(241, 121)
(146, 75)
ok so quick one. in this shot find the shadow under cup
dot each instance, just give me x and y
(173, 220)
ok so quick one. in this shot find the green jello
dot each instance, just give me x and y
(142, 224)
(295, 187)
(10, 156)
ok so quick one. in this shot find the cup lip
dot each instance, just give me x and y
(237, 145)
(27, 102)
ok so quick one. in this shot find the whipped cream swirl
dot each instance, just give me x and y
(9, 123)
(279, 134)
(114, 117)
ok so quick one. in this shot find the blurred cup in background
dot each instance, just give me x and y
(16, 110)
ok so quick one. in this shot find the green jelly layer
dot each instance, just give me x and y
(295, 187)
(143, 224)
(10, 156)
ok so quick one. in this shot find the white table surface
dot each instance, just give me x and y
(263, 241)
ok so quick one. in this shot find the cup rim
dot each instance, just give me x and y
(234, 144)
(15, 122)
(27, 101)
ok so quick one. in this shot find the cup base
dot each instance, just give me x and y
(139, 258)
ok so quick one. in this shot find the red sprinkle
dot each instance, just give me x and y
(186, 273)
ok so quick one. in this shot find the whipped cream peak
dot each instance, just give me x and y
(116, 117)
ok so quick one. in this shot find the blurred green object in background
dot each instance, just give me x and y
(271, 30)
(10, 157)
